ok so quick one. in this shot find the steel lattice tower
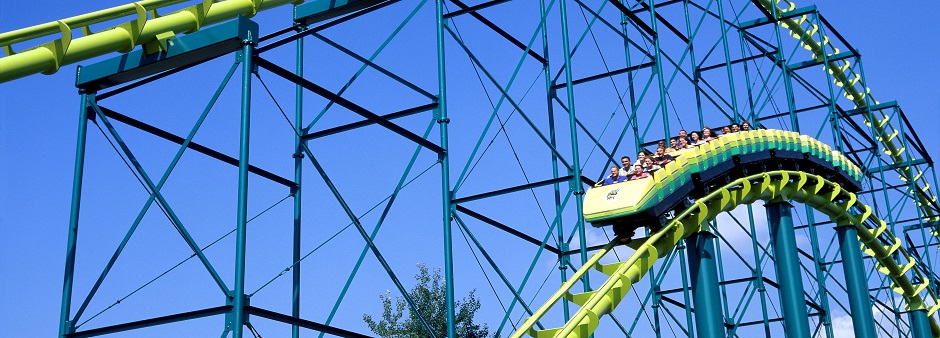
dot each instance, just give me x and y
(463, 135)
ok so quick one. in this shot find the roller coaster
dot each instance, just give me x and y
(664, 247)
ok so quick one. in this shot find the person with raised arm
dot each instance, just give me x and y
(661, 158)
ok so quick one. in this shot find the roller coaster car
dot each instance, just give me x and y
(655, 200)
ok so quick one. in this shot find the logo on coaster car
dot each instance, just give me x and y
(612, 194)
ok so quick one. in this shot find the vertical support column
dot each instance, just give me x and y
(697, 76)
(686, 289)
(239, 299)
(65, 325)
(446, 193)
(631, 115)
(920, 324)
(788, 83)
(706, 296)
(859, 301)
(562, 257)
(758, 273)
(724, 42)
(575, 182)
(658, 68)
(783, 240)
(298, 175)
(821, 275)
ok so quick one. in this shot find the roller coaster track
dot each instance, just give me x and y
(845, 76)
(147, 28)
(840, 205)
(151, 33)
(782, 185)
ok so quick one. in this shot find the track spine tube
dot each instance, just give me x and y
(65, 325)
(446, 193)
(709, 321)
(783, 240)
(856, 283)
(239, 317)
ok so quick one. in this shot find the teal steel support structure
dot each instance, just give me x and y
(659, 70)
(709, 322)
(446, 193)
(575, 183)
(724, 43)
(860, 302)
(920, 325)
(240, 300)
(65, 325)
(298, 176)
(783, 240)
(758, 274)
(719, 311)
(550, 109)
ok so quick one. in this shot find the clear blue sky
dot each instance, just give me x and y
(37, 143)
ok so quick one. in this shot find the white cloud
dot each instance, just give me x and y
(732, 232)
(841, 326)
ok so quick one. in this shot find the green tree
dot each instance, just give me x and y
(429, 298)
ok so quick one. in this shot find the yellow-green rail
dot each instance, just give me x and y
(845, 76)
(139, 30)
(825, 196)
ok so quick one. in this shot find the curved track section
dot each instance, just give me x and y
(845, 76)
(823, 195)
(699, 170)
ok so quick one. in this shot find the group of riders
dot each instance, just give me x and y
(647, 162)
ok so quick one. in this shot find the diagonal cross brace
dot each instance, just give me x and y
(307, 84)
(368, 239)
(143, 211)
(175, 219)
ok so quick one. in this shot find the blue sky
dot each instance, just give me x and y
(37, 139)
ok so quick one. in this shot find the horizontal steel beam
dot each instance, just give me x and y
(512, 189)
(604, 75)
(251, 310)
(768, 19)
(307, 84)
(633, 18)
(360, 124)
(464, 9)
(500, 31)
(151, 322)
(506, 228)
(194, 146)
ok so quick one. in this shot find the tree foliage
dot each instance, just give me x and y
(397, 321)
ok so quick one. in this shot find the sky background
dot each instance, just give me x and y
(37, 144)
